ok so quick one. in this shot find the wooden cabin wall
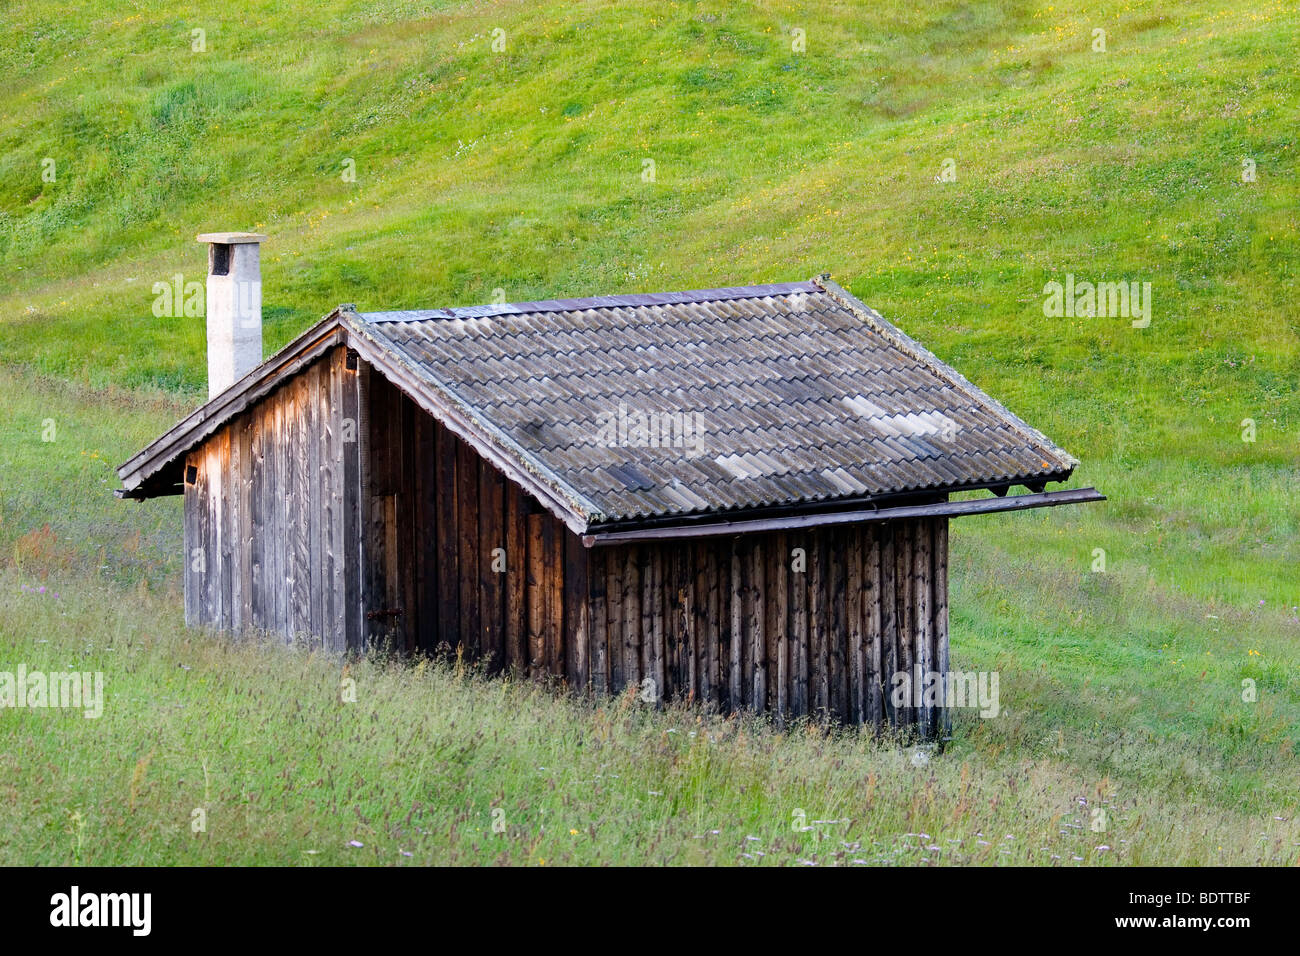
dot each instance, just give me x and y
(461, 558)
(338, 509)
(733, 623)
(272, 535)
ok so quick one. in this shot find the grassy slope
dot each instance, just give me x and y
(522, 171)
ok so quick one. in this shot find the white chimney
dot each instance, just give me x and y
(234, 306)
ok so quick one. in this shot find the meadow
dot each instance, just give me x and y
(942, 161)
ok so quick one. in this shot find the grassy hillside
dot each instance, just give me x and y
(943, 161)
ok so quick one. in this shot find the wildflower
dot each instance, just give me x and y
(356, 843)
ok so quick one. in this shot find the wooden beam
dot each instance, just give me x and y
(972, 506)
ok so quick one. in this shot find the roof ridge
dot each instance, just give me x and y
(593, 302)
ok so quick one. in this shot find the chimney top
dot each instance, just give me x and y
(234, 306)
(230, 238)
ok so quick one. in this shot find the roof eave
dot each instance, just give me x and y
(343, 326)
(212, 414)
(936, 509)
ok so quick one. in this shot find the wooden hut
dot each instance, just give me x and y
(735, 496)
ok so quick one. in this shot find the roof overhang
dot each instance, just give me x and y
(154, 471)
(974, 506)
(157, 470)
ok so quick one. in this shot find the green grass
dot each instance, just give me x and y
(521, 170)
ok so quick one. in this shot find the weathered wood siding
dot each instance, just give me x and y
(787, 624)
(459, 558)
(339, 510)
(272, 520)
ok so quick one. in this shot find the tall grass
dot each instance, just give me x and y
(521, 169)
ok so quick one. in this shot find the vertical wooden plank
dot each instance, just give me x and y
(283, 584)
(393, 609)
(406, 527)
(615, 562)
(800, 689)
(717, 613)
(289, 585)
(192, 505)
(702, 651)
(553, 535)
(819, 623)
(517, 652)
(872, 607)
(773, 628)
(680, 673)
(373, 469)
(448, 508)
(491, 592)
(735, 674)
(757, 616)
(598, 620)
(888, 621)
(220, 539)
(212, 537)
(212, 529)
(425, 524)
(904, 581)
(315, 377)
(854, 618)
(246, 531)
(921, 567)
(577, 609)
(536, 597)
(381, 513)
(646, 604)
(257, 514)
(328, 503)
(285, 473)
(778, 587)
(940, 611)
(201, 560)
(352, 549)
(836, 602)
(229, 530)
(330, 414)
(659, 624)
(467, 549)
(684, 652)
(234, 489)
(630, 602)
(300, 508)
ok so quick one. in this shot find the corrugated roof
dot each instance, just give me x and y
(651, 406)
(636, 407)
